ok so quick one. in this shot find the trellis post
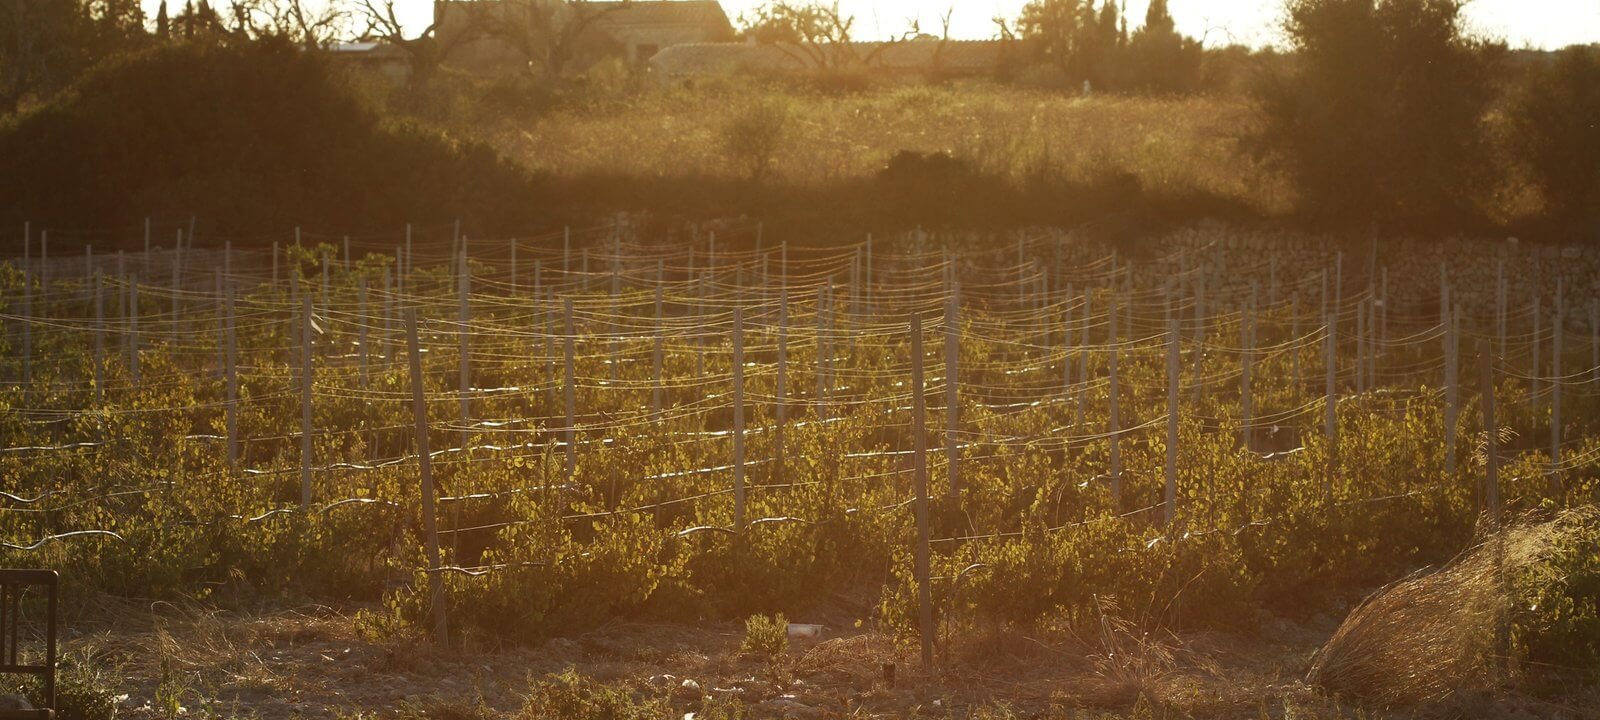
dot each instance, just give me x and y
(231, 367)
(738, 419)
(1114, 421)
(306, 428)
(430, 527)
(822, 352)
(1452, 389)
(570, 392)
(1330, 418)
(27, 332)
(1247, 356)
(1172, 419)
(361, 298)
(656, 358)
(133, 326)
(1491, 432)
(1556, 382)
(952, 389)
(99, 337)
(1538, 344)
(464, 338)
(920, 481)
(781, 391)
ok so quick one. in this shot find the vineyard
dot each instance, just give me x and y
(526, 437)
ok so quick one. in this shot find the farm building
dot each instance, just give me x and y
(645, 28)
(388, 61)
(500, 36)
(914, 58)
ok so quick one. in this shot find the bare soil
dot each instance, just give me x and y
(314, 662)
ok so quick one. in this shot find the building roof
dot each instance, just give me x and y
(912, 56)
(706, 13)
(367, 49)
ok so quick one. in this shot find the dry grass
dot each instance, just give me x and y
(1433, 635)
(1171, 145)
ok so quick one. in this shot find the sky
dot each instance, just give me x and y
(1545, 24)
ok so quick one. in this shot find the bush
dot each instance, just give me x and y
(765, 635)
(1553, 132)
(571, 696)
(1380, 121)
(753, 138)
(245, 137)
(1556, 602)
(84, 689)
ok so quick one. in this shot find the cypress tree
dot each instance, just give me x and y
(163, 31)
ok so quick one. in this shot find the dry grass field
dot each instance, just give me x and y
(1175, 145)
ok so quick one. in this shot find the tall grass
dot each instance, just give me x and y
(1173, 146)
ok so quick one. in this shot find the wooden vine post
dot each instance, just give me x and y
(231, 367)
(306, 428)
(1491, 432)
(781, 390)
(1114, 421)
(570, 394)
(430, 527)
(1172, 421)
(1452, 390)
(920, 481)
(738, 419)
(952, 389)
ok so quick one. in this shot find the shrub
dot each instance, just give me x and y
(85, 690)
(1556, 601)
(1554, 134)
(571, 696)
(246, 137)
(765, 635)
(753, 138)
(1380, 121)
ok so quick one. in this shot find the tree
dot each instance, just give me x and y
(312, 26)
(163, 24)
(1160, 59)
(424, 52)
(1083, 43)
(817, 34)
(200, 21)
(753, 138)
(1379, 121)
(41, 48)
(1555, 133)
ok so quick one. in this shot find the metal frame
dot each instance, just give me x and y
(12, 584)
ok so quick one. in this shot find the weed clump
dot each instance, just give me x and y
(765, 635)
(1442, 633)
(572, 696)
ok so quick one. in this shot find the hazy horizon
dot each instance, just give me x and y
(1554, 24)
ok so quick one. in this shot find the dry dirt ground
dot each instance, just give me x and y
(313, 662)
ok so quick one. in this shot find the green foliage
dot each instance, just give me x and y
(642, 529)
(1553, 131)
(1380, 120)
(754, 137)
(85, 688)
(172, 687)
(46, 44)
(1161, 60)
(298, 145)
(1555, 604)
(571, 696)
(765, 635)
(1071, 36)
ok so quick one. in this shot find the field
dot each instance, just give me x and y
(1169, 144)
(1025, 453)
